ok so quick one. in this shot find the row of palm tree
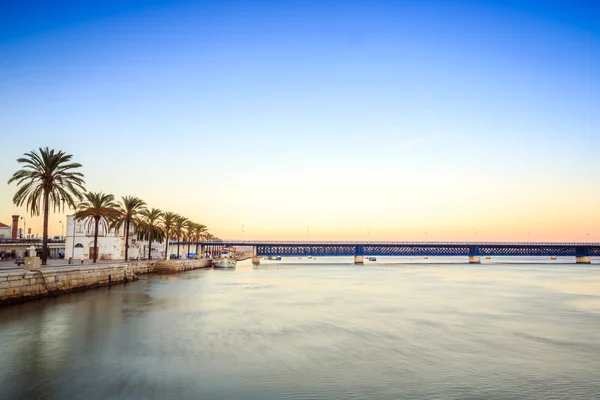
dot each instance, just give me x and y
(48, 178)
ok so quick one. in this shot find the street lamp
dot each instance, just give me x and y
(73, 244)
(24, 227)
(61, 229)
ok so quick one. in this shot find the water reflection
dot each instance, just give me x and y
(307, 331)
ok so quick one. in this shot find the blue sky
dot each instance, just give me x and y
(402, 116)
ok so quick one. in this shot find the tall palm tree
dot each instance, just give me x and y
(98, 206)
(48, 178)
(150, 228)
(190, 229)
(129, 211)
(179, 230)
(168, 225)
(199, 231)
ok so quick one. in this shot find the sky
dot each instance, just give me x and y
(316, 120)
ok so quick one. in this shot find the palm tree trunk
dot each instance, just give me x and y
(150, 248)
(126, 239)
(178, 247)
(167, 246)
(188, 253)
(97, 220)
(45, 234)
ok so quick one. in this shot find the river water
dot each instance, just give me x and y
(305, 330)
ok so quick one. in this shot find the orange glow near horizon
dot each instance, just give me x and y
(575, 225)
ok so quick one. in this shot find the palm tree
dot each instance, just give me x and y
(199, 232)
(129, 211)
(179, 230)
(190, 228)
(150, 228)
(209, 236)
(168, 225)
(47, 179)
(98, 206)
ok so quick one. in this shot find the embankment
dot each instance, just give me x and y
(23, 285)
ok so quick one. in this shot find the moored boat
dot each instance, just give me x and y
(225, 259)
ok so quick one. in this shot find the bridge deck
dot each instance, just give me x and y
(337, 248)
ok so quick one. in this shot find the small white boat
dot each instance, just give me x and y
(225, 259)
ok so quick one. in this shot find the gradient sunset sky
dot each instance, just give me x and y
(349, 120)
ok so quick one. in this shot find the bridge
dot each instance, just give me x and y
(473, 250)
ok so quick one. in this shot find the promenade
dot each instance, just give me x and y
(18, 284)
(10, 265)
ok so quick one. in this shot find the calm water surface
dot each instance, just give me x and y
(315, 331)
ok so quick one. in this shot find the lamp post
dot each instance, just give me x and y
(73, 244)
(61, 229)
(24, 228)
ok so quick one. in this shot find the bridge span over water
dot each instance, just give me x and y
(473, 250)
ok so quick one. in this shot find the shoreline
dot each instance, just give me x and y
(19, 286)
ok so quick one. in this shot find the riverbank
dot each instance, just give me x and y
(17, 286)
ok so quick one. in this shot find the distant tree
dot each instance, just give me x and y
(168, 224)
(98, 206)
(150, 228)
(129, 212)
(179, 230)
(190, 229)
(48, 179)
(200, 230)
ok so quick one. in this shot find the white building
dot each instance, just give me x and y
(111, 242)
(5, 231)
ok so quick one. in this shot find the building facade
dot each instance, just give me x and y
(79, 243)
(5, 231)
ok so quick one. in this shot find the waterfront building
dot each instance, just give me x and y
(4, 231)
(111, 242)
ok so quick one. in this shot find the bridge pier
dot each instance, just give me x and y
(359, 257)
(255, 257)
(583, 259)
(474, 260)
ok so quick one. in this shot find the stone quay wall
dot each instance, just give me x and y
(23, 285)
(146, 267)
(186, 265)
